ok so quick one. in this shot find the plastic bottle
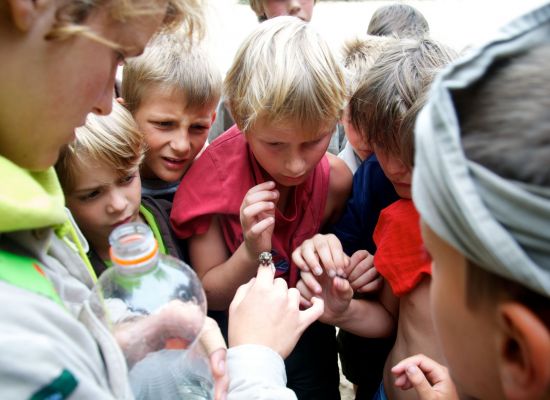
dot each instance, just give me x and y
(156, 306)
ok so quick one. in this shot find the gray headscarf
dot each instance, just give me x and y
(500, 224)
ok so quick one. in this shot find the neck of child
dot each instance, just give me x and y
(285, 195)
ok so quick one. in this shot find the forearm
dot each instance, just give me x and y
(222, 281)
(365, 318)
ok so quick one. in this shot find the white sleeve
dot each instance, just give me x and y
(257, 373)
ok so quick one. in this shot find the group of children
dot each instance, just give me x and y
(344, 228)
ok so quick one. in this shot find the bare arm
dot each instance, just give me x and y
(221, 273)
(339, 189)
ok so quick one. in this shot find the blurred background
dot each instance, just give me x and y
(458, 23)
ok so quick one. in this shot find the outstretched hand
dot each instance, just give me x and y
(265, 312)
(336, 293)
(361, 273)
(321, 253)
(430, 379)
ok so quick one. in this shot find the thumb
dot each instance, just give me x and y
(419, 382)
(308, 316)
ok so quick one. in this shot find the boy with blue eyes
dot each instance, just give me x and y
(172, 91)
(99, 174)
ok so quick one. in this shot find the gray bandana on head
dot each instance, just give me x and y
(499, 224)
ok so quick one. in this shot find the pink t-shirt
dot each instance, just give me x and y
(216, 184)
(400, 254)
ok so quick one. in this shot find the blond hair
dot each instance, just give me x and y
(359, 54)
(258, 7)
(284, 71)
(71, 17)
(385, 106)
(169, 62)
(113, 140)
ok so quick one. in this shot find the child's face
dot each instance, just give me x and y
(102, 199)
(55, 91)
(466, 336)
(396, 171)
(302, 9)
(284, 153)
(361, 148)
(175, 135)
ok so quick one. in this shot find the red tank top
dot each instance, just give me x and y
(216, 184)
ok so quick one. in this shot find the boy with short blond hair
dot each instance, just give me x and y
(267, 183)
(99, 174)
(172, 91)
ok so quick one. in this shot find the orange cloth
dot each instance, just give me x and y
(400, 256)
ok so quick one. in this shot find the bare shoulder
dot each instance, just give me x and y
(339, 189)
(340, 176)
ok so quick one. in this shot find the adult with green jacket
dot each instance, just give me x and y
(58, 63)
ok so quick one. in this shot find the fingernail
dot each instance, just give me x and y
(318, 271)
(221, 366)
(331, 273)
(412, 369)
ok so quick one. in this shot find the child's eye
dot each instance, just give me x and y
(127, 179)
(312, 143)
(163, 124)
(94, 194)
(199, 128)
(275, 144)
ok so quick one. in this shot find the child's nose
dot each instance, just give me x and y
(104, 103)
(294, 7)
(118, 202)
(295, 166)
(397, 167)
(180, 143)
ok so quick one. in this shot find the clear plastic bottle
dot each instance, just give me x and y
(156, 307)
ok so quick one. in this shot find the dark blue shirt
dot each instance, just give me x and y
(371, 193)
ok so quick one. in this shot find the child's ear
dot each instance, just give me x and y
(25, 12)
(120, 101)
(524, 351)
(213, 117)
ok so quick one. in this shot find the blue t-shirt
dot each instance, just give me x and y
(371, 193)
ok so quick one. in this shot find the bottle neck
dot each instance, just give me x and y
(134, 249)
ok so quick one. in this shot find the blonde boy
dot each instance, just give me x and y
(99, 174)
(267, 183)
(172, 91)
(359, 55)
